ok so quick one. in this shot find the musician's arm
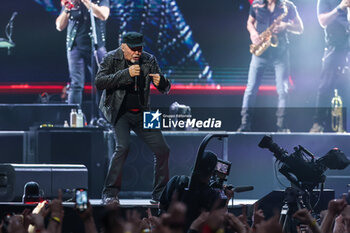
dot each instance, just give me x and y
(328, 17)
(254, 35)
(62, 20)
(295, 26)
(101, 12)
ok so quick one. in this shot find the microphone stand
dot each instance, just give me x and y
(94, 60)
(8, 31)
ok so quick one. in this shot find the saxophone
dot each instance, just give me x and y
(337, 113)
(267, 38)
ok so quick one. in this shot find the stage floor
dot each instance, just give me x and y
(130, 203)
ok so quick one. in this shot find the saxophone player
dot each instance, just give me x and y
(263, 14)
(332, 16)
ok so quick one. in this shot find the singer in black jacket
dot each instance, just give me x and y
(125, 76)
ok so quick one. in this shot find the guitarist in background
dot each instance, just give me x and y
(262, 14)
(332, 16)
(76, 16)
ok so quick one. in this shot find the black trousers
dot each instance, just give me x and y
(333, 62)
(153, 138)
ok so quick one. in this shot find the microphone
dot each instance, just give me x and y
(68, 4)
(13, 16)
(240, 189)
(136, 77)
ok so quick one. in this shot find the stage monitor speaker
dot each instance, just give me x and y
(50, 178)
(275, 200)
(87, 146)
(13, 146)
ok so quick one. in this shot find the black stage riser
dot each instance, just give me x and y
(50, 178)
(90, 147)
(251, 165)
(13, 146)
(23, 116)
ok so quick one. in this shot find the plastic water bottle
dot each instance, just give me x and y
(73, 118)
(80, 119)
(65, 124)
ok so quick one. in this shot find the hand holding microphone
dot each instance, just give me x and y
(67, 4)
(135, 71)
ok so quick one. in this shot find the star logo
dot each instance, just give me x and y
(151, 120)
(156, 115)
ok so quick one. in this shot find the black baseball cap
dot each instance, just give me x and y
(133, 39)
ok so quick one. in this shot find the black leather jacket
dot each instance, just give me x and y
(112, 77)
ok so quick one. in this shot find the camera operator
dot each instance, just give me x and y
(201, 196)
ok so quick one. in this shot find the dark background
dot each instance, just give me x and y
(218, 26)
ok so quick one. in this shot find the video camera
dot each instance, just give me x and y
(305, 174)
(222, 171)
